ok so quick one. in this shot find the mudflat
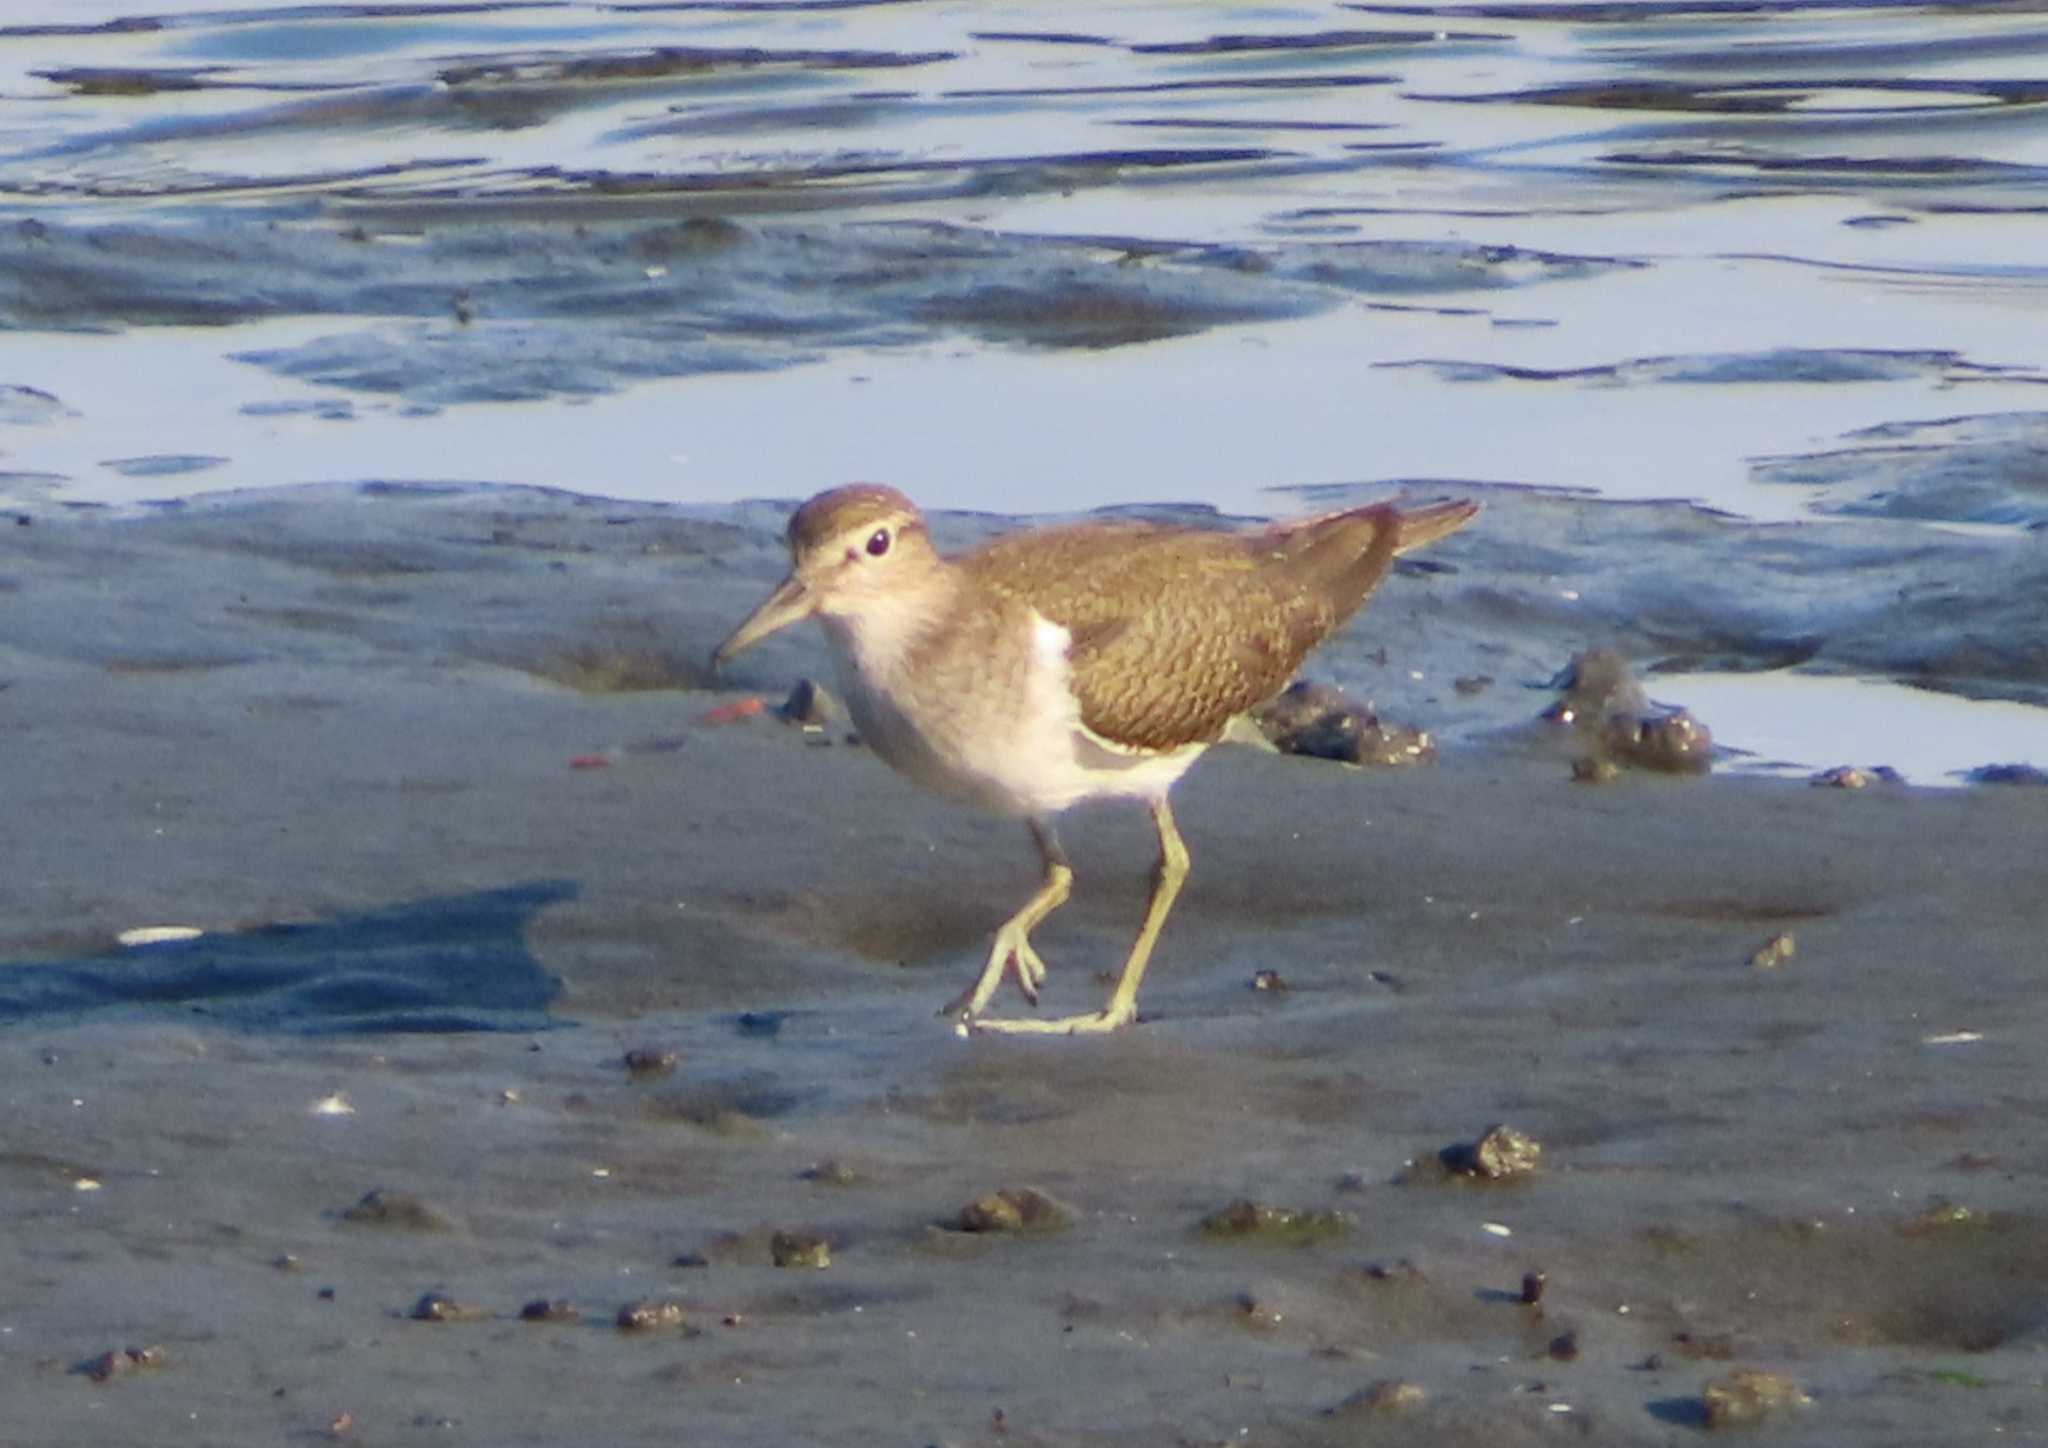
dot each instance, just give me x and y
(433, 775)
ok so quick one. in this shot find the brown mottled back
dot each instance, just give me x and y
(1177, 630)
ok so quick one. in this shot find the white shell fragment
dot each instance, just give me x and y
(158, 934)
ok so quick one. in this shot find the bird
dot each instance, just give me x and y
(1080, 661)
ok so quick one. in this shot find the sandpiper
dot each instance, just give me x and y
(1093, 660)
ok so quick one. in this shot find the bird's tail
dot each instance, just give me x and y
(1342, 556)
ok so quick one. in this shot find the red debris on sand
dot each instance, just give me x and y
(745, 708)
(590, 761)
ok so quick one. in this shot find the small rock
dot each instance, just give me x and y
(1775, 951)
(433, 1307)
(1615, 724)
(647, 1315)
(1325, 723)
(1268, 980)
(810, 706)
(1502, 1154)
(1397, 1274)
(1471, 684)
(1564, 1347)
(1675, 743)
(381, 1208)
(1386, 1397)
(1941, 1217)
(832, 1174)
(544, 1309)
(645, 1061)
(1718, 1347)
(127, 1360)
(1748, 1395)
(1533, 1284)
(799, 1249)
(1016, 1209)
(1593, 686)
(1249, 1311)
(1247, 1220)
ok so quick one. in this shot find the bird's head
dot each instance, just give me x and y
(852, 551)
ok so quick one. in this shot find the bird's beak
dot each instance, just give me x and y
(791, 602)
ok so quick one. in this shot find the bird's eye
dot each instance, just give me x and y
(878, 543)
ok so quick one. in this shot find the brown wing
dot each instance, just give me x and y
(1176, 630)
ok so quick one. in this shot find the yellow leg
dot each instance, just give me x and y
(1122, 1008)
(1013, 940)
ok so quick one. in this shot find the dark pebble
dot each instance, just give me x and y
(433, 1307)
(1502, 1154)
(381, 1208)
(1247, 1220)
(648, 1061)
(646, 1316)
(1747, 1395)
(810, 705)
(1323, 722)
(127, 1360)
(1016, 1209)
(799, 1249)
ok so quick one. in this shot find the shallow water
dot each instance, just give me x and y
(1781, 259)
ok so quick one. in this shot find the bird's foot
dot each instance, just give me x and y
(1092, 1024)
(1011, 955)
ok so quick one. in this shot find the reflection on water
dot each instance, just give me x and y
(1797, 724)
(1779, 256)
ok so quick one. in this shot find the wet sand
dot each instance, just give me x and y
(443, 798)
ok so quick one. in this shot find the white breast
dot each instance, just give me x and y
(1011, 741)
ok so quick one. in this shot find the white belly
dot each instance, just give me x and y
(1013, 744)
